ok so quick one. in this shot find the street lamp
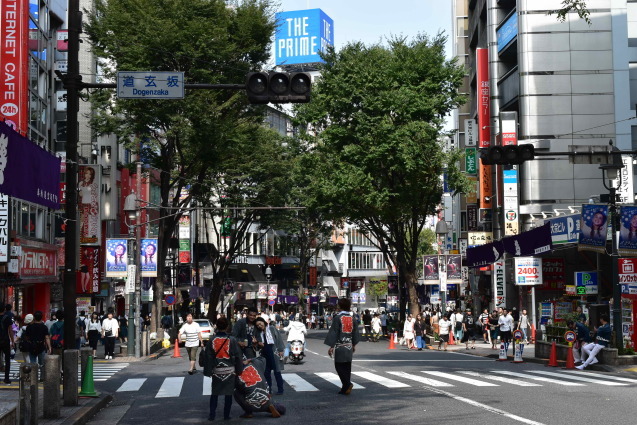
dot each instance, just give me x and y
(268, 273)
(132, 211)
(611, 172)
(441, 231)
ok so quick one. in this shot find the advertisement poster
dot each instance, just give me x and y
(499, 287)
(148, 257)
(262, 294)
(454, 268)
(88, 281)
(147, 288)
(116, 257)
(89, 204)
(594, 228)
(484, 97)
(184, 251)
(628, 230)
(553, 271)
(14, 94)
(83, 304)
(430, 270)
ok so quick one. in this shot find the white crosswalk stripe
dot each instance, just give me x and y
(170, 388)
(103, 371)
(461, 379)
(207, 385)
(537, 378)
(578, 378)
(501, 379)
(599, 375)
(422, 379)
(333, 378)
(385, 382)
(297, 383)
(133, 384)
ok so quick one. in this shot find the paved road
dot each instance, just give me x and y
(392, 386)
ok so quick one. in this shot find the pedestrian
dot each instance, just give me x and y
(468, 329)
(166, 323)
(245, 332)
(383, 322)
(251, 391)
(483, 319)
(342, 339)
(367, 323)
(583, 337)
(222, 361)
(445, 327)
(494, 329)
(506, 326)
(581, 317)
(190, 332)
(296, 331)
(456, 324)
(37, 336)
(419, 331)
(57, 334)
(408, 331)
(272, 348)
(602, 340)
(123, 329)
(51, 321)
(83, 322)
(435, 318)
(523, 325)
(376, 327)
(110, 332)
(21, 342)
(7, 340)
(93, 332)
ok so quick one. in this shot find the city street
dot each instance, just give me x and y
(393, 386)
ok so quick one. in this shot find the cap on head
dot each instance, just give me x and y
(28, 319)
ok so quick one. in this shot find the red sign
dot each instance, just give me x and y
(14, 37)
(273, 260)
(38, 262)
(484, 97)
(88, 278)
(312, 280)
(553, 275)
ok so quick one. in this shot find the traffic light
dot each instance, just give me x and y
(278, 87)
(507, 155)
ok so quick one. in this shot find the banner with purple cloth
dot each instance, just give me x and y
(529, 243)
(484, 255)
(27, 171)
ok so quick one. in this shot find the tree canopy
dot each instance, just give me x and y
(376, 125)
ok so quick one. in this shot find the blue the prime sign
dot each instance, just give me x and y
(301, 35)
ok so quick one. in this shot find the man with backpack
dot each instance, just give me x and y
(80, 330)
(7, 341)
(57, 334)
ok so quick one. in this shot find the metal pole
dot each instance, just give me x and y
(614, 257)
(130, 345)
(138, 283)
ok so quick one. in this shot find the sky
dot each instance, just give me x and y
(370, 21)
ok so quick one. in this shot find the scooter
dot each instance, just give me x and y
(296, 352)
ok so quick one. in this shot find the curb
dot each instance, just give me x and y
(157, 354)
(86, 412)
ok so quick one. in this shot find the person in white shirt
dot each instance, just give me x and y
(523, 324)
(506, 325)
(110, 331)
(456, 324)
(191, 333)
(296, 332)
(93, 331)
(444, 326)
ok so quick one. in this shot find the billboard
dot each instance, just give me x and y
(88, 278)
(116, 257)
(89, 203)
(301, 35)
(507, 31)
(484, 98)
(148, 257)
(628, 231)
(14, 38)
(594, 228)
(430, 269)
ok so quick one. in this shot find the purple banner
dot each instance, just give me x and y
(532, 242)
(483, 255)
(27, 171)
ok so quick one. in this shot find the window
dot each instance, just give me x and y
(366, 261)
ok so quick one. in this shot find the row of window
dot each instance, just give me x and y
(358, 237)
(366, 260)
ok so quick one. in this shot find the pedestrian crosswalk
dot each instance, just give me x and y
(101, 371)
(325, 381)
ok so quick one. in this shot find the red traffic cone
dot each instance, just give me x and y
(532, 334)
(392, 346)
(177, 353)
(553, 359)
(570, 360)
(452, 341)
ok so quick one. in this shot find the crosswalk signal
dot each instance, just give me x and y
(507, 155)
(278, 87)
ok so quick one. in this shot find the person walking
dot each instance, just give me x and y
(383, 322)
(57, 334)
(483, 319)
(376, 327)
(222, 361)
(408, 332)
(506, 326)
(110, 332)
(272, 348)
(367, 324)
(51, 321)
(7, 340)
(445, 327)
(37, 336)
(245, 332)
(456, 324)
(190, 332)
(602, 340)
(93, 332)
(523, 325)
(468, 329)
(123, 329)
(419, 332)
(494, 329)
(342, 339)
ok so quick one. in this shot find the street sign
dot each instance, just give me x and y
(528, 271)
(150, 85)
(170, 299)
(628, 275)
(130, 278)
(570, 336)
(518, 335)
(271, 302)
(586, 283)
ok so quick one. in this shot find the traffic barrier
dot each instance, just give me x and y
(176, 353)
(452, 341)
(503, 353)
(392, 345)
(88, 386)
(553, 358)
(395, 337)
(517, 356)
(570, 360)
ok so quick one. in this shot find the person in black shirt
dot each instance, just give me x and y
(37, 335)
(367, 322)
(6, 340)
(468, 329)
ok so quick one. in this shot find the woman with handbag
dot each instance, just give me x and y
(222, 360)
(408, 332)
(93, 332)
(110, 331)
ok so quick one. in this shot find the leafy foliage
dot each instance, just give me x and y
(577, 6)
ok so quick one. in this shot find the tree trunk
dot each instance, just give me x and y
(215, 293)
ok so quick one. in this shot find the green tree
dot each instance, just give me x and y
(376, 120)
(577, 6)
(211, 41)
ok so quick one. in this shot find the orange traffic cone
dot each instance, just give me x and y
(451, 340)
(392, 346)
(177, 353)
(553, 359)
(532, 334)
(570, 360)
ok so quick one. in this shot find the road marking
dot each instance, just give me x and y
(333, 378)
(423, 360)
(132, 384)
(385, 382)
(298, 383)
(462, 379)
(207, 385)
(422, 379)
(501, 379)
(483, 406)
(171, 387)
(600, 375)
(577, 378)
(537, 378)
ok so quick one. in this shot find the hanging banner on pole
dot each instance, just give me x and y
(499, 287)
(484, 97)
(594, 228)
